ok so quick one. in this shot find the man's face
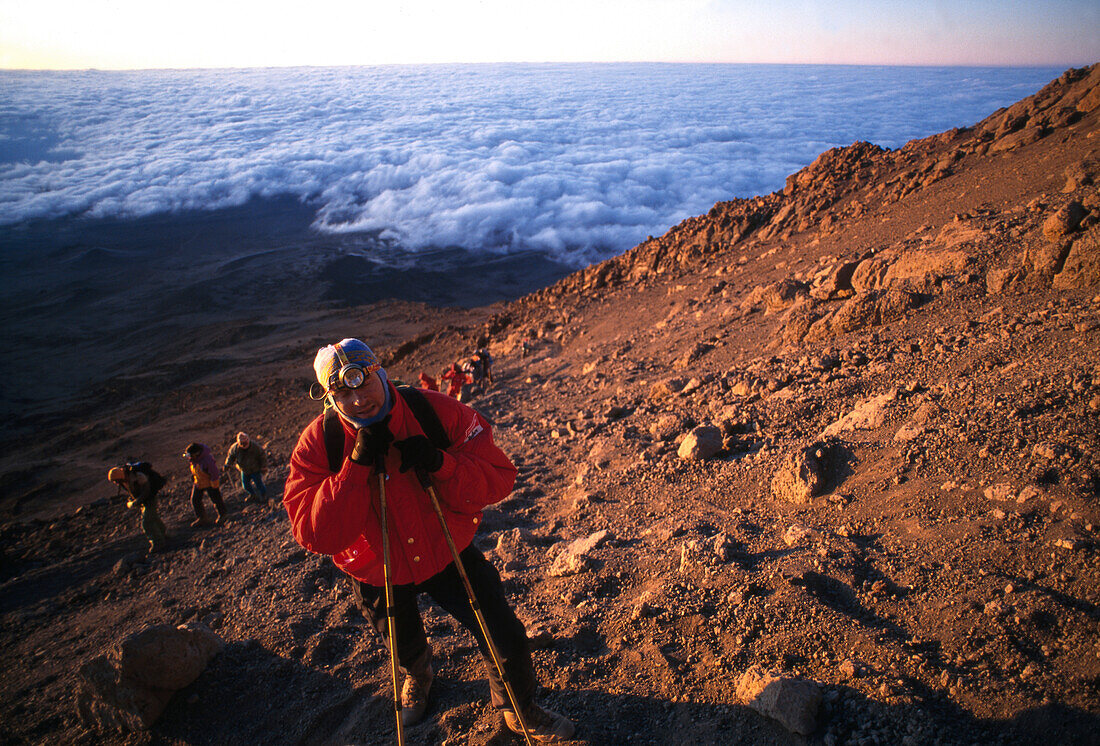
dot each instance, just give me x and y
(364, 402)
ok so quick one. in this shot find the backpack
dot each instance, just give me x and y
(156, 481)
(426, 417)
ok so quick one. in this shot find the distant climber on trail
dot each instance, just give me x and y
(206, 475)
(455, 378)
(528, 345)
(391, 481)
(483, 368)
(427, 382)
(142, 483)
(251, 461)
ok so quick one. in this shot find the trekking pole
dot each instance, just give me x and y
(426, 483)
(391, 623)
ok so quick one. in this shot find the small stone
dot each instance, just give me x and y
(573, 558)
(1000, 492)
(796, 534)
(701, 443)
(1027, 493)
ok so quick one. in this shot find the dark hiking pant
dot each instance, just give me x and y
(215, 497)
(153, 527)
(447, 590)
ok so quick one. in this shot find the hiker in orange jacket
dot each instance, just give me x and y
(335, 511)
(207, 477)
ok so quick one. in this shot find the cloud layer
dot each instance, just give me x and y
(580, 161)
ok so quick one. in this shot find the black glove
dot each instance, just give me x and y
(371, 443)
(418, 453)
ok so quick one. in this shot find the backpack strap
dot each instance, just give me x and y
(334, 436)
(333, 429)
(426, 416)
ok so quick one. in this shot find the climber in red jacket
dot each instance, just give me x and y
(335, 511)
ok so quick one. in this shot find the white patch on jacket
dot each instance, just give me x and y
(473, 430)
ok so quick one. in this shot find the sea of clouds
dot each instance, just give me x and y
(578, 161)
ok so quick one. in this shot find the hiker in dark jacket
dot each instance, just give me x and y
(137, 480)
(251, 461)
(335, 511)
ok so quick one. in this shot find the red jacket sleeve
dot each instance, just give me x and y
(475, 472)
(327, 511)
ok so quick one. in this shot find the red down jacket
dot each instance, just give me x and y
(337, 514)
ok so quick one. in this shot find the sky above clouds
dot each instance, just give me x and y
(138, 34)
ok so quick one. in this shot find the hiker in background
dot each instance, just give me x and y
(482, 368)
(206, 474)
(528, 345)
(333, 496)
(251, 461)
(486, 364)
(427, 382)
(142, 483)
(467, 390)
(455, 378)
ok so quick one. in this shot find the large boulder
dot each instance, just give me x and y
(925, 268)
(797, 321)
(808, 472)
(834, 281)
(781, 295)
(1081, 268)
(1043, 260)
(128, 687)
(1064, 221)
(873, 308)
(794, 703)
(870, 274)
(1018, 139)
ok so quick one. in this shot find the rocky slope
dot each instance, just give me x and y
(846, 433)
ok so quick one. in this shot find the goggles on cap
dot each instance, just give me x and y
(349, 375)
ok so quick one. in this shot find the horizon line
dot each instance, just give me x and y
(1033, 65)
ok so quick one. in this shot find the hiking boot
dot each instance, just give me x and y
(414, 696)
(544, 726)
